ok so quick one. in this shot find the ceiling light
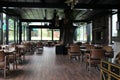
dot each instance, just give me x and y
(71, 3)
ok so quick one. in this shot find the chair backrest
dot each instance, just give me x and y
(2, 56)
(117, 58)
(90, 47)
(97, 53)
(39, 44)
(108, 48)
(79, 43)
(73, 44)
(75, 48)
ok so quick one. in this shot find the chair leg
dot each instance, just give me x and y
(70, 58)
(79, 58)
(16, 63)
(13, 66)
(82, 57)
(89, 66)
(4, 72)
(86, 65)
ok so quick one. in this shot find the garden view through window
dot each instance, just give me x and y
(45, 34)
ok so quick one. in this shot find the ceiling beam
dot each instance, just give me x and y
(32, 5)
(100, 14)
(57, 5)
(11, 12)
(35, 20)
(39, 20)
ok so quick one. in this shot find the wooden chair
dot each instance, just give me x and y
(117, 58)
(28, 47)
(12, 56)
(74, 52)
(39, 46)
(109, 53)
(94, 57)
(79, 43)
(90, 47)
(4, 64)
(20, 54)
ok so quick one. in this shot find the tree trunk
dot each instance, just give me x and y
(67, 30)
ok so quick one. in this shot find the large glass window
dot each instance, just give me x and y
(56, 34)
(24, 25)
(18, 27)
(90, 32)
(0, 28)
(11, 30)
(36, 34)
(114, 27)
(4, 28)
(25, 32)
(81, 33)
(46, 34)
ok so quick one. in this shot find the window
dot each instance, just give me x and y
(35, 34)
(0, 28)
(24, 35)
(4, 28)
(11, 30)
(25, 32)
(18, 28)
(90, 31)
(81, 33)
(56, 34)
(114, 27)
(46, 34)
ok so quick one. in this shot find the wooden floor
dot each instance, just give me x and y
(49, 66)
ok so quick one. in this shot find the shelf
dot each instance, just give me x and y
(109, 71)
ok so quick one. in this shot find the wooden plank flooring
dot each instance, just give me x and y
(49, 66)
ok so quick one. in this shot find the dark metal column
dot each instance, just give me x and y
(1, 32)
(52, 34)
(119, 23)
(15, 31)
(20, 31)
(7, 35)
(29, 33)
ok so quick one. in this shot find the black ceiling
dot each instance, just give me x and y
(44, 9)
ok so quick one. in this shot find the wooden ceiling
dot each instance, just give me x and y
(44, 9)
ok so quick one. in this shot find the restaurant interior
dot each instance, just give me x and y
(59, 40)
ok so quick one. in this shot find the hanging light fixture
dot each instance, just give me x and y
(71, 3)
